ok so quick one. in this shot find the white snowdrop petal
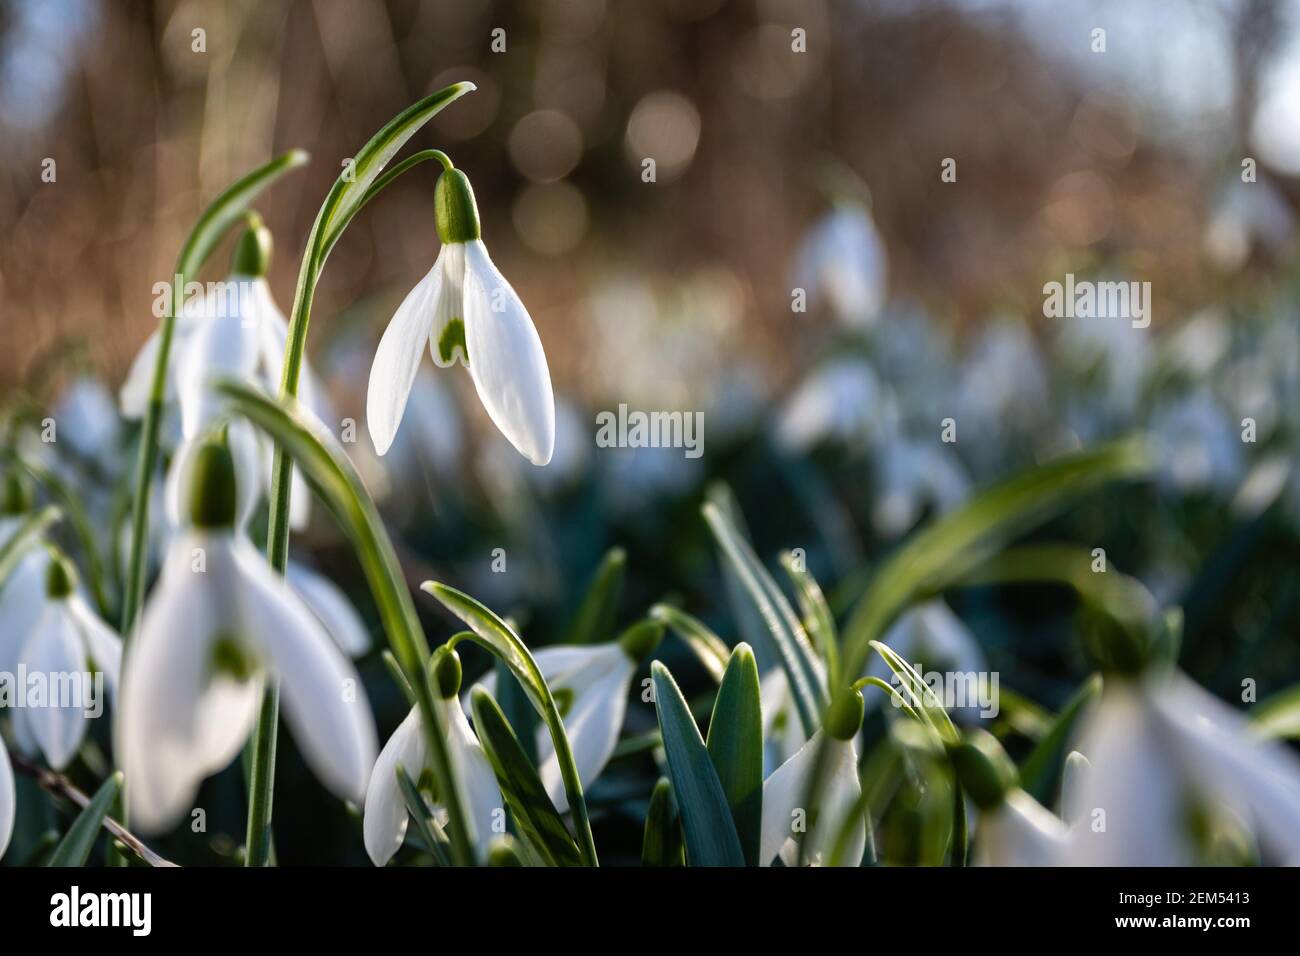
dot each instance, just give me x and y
(55, 650)
(592, 724)
(133, 397)
(220, 347)
(325, 703)
(102, 645)
(506, 359)
(177, 721)
(324, 598)
(783, 793)
(1021, 832)
(484, 804)
(22, 600)
(385, 819)
(398, 358)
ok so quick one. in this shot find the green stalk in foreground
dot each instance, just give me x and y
(357, 184)
(327, 469)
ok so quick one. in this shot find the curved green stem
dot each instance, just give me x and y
(334, 479)
(356, 185)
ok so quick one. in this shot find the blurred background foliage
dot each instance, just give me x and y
(775, 170)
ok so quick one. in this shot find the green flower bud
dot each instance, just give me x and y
(253, 251)
(446, 672)
(502, 852)
(17, 497)
(640, 640)
(983, 768)
(454, 209)
(844, 716)
(212, 487)
(60, 576)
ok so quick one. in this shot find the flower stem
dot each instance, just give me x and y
(356, 185)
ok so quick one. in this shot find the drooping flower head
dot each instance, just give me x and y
(67, 645)
(219, 622)
(386, 814)
(465, 309)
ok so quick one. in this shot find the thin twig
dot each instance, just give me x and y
(59, 785)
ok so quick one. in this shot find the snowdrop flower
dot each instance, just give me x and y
(786, 821)
(386, 814)
(1165, 752)
(87, 419)
(1246, 216)
(842, 260)
(21, 594)
(8, 805)
(217, 622)
(464, 307)
(910, 475)
(336, 614)
(68, 642)
(1014, 828)
(839, 402)
(1197, 445)
(933, 638)
(590, 685)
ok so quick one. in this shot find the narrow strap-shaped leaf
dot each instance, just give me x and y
(522, 788)
(1041, 769)
(709, 830)
(924, 699)
(430, 833)
(1278, 716)
(500, 639)
(594, 622)
(735, 743)
(783, 624)
(711, 650)
(25, 538)
(817, 617)
(77, 843)
(949, 547)
(661, 844)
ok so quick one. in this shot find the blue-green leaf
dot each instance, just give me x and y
(661, 843)
(735, 743)
(706, 819)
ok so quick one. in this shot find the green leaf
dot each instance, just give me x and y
(500, 639)
(504, 851)
(919, 694)
(661, 844)
(430, 833)
(522, 788)
(353, 185)
(1039, 773)
(949, 547)
(709, 831)
(76, 845)
(711, 650)
(788, 637)
(736, 745)
(1277, 717)
(25, 538)
(817, 618)
(594, 622)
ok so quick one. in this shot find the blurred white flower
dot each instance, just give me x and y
(87, 419)
(465, 307)
(217, 622)
(912, 474)
(1197, 446)
(22, 599)
(839, 402)
(842, 261)
(785, 822)
(1020, 832)
(8, 805)
(1245, 216)
(67, 643)
(1164, 753)
(331, 607)
(386, 815)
